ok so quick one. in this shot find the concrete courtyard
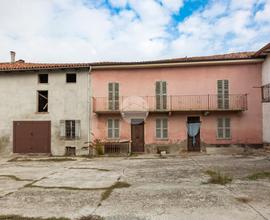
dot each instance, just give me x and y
(142, 187)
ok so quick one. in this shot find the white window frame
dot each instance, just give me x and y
(162, 129)
(224, 128)
(113, 137)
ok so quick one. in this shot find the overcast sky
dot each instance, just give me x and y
(121, 30)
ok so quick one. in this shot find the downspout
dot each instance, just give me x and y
(88, 104)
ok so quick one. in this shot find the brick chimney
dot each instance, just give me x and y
(12, 56)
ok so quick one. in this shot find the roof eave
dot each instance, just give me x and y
(177, 64)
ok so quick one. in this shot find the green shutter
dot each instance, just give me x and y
(158, 128)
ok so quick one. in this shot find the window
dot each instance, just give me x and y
(113, 128)
(161, 95)
(113, 89)
(266, 93)
(42, 101)
(223, 94)
(161, 128)
(70, 129)
(43, 78)
(71, 77)
(223, 128)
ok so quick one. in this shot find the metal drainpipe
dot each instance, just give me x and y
(88, 103)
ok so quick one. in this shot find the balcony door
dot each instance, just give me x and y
(223, 94)
(113, 102)
(161, 95)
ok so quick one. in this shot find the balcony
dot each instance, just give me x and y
(175, 103)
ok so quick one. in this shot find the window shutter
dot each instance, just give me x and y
(226, 93)
(116, 128)
(158, 128)
(116, 96)
(227, 128)
(158, 95)
(220, 93)
(165, 128)
(110, 128)
(110, 95)
(77, 129)
(220, 128)
(62, 128)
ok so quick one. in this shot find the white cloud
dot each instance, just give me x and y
(73, 31)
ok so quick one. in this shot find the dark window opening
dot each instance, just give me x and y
(71, 77)
(43, 78)
(70, 129)
(266, 93)
(42, 101)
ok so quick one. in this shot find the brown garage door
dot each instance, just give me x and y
(31, 136)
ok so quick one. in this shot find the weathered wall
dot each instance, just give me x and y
(246, 127)
(18, 101)
(266, 106)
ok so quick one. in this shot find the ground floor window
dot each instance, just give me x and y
(70, 129)
(113, 128)
(161, 128)
(266, 93)
(223, 128)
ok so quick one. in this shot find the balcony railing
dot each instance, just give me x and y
(175, 103)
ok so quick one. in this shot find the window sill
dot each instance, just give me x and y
(42, 113)
(224, 139)
(162, 139)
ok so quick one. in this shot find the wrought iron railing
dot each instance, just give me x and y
(232, 102)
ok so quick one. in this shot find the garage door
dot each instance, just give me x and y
(31, 136)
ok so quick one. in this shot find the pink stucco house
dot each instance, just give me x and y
(179, 104)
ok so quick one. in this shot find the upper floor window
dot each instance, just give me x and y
(43, 78)
(223, 94)
(113, 96)
(42, 101)
(71, 77)
(266, 93)
(161, 95)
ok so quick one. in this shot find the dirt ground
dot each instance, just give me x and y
(143, 187)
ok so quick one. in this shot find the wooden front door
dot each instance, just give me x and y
(137, 135)
(194, 144)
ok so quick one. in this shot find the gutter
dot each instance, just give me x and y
(88, 105)
(177, 64)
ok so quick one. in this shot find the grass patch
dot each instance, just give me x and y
(54, 159)
(243, 199)
(15, 178)
(218, 178)
(106, 194)
(18, 217)
(259, 175)
(91, 217)
(89, 168)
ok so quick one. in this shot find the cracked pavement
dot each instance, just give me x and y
(171, 188)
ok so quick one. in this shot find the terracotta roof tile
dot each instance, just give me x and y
(20, 65)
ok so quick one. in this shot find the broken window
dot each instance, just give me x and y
(42, 101)
(70, 129)
(71, 77)
(43, 78)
